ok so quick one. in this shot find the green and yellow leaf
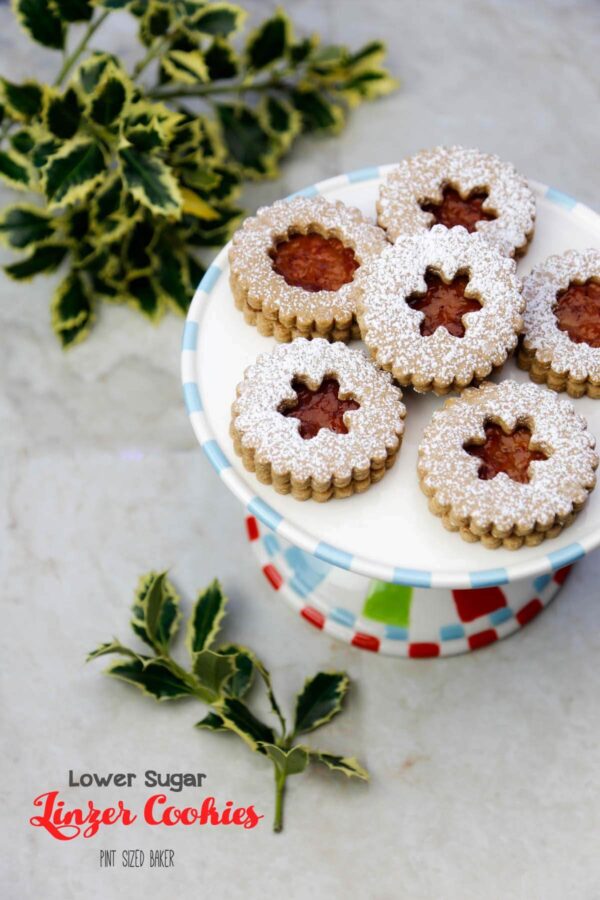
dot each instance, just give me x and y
(154, 677)
(236, 716)
(211, 722)
(349, 765)
(188, 67)
(205, 620)
(62, 113)
(221, 60)
(213, 670)
(269, 42)
(24, 225)
(73, 172)
(110, 97)
(109, 648)
(45, 258)
(15, 170)
(320, 700)
(41, 22)
(287, 762)
(22, 101)
(156, 612)
(71, 310)
(151, 182)
(318, 113)
(248, 142)
(74, 10)
(216, 19)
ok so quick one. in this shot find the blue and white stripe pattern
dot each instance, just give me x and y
(219, 457)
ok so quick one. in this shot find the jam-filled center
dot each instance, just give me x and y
(454, 210)
(509, 453)
(318, 409)
(443, 304)
(577, 311)
(314, 262)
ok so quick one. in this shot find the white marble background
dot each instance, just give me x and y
(485, 768)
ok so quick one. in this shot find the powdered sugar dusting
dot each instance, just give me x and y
(542, 334)
(263, 288)
(423, 177)
(565, 478)
(390, 327)
(373, 429)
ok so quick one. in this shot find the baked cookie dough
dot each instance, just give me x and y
(507, 464)
(458, 186)
(317, 420)
(292, 267)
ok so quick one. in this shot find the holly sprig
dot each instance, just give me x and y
(134, 172)
(223, 677)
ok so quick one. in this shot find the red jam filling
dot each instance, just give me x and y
(509, 453)
(444, 304)
(578, 312)
(314, 262)
(318, 409)
(453, 210)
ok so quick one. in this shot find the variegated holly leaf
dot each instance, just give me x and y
(74, 10)
(71, 310)
(320, 700)
(188, 67)
(318, 113)
(155, 677)
(205, 620)
(281, 119)
(24, 225)
(45, 258)
(41, 22)
(22, 101)
(368, 84)
(15, 170)
(221, 60)
(151, 182)
(372, 54)
(269, 42)
(110, 648)
(22, 141)
(248, 142)
(213, 670)
(211, 722)
(349, 765)
(287, 762)
(243, 674)
(91, 70)
(110, 97)
(216, 19)
(72, 173)
(174, 277)
(155, 611)
(156, 20)
(236, 716)
(62, 113)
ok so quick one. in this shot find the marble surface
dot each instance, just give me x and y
(484, 768)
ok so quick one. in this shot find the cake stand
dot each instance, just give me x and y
(378, 570)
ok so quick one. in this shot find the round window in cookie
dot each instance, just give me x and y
(456, 186)
(507, 464)
(294, 263)
(439, 310)
(561, 342)
(317, 420)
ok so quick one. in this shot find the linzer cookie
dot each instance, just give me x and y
(317, 419)
(507, 464)
(439, 309)
(292, 267)
(457, 186)
(561, 343)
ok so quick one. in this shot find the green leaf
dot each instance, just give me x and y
(349, 765)
(211, 722)
(22, 141)
(41, 22)
(151, 182)
(46, 258)
(269, 42)
(221, 60)
(62, 114)
(73, 172)
(205, 620)
(246, 139)
(320, 700)
(74, 10)
(143, 295)
(110, 98)
(317, 112)
(243, 674)
(287, 762)
(22, 101)
(217, 19)
(172, 278)
(23, 225)
(156, 613)
(300, 51)
(109, 648)
(15, 170)
(213, 670)
(71, 310)
(238, 718)
(155, 677)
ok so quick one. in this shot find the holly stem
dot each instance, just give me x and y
(72, 58)
(280, 779)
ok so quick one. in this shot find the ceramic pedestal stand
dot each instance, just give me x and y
(378, 570)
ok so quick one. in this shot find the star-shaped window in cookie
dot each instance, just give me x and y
(505, 452)
(321, 408)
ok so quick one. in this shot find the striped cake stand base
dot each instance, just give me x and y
(395, 619)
